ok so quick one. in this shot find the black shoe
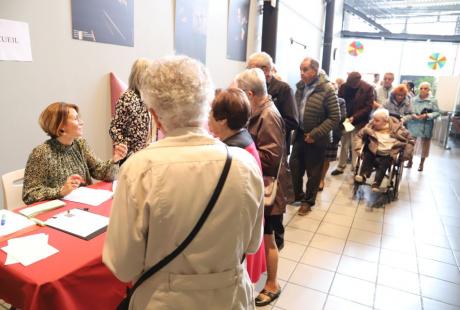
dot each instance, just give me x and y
(336, 172)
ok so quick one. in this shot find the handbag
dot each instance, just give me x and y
(124, 304)
(271, 187)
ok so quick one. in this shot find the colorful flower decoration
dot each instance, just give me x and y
(436, 61)
(355, 48)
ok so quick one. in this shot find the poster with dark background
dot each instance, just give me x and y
(237, 31)
(105, 21)
(191, 28)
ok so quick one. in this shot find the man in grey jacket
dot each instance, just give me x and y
(318, 114)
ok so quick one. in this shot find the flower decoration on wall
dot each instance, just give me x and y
(436, 61)
(355, 48)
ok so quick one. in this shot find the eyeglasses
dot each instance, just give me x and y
(424, 88)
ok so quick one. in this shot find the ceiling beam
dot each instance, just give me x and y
(401, 36)
(352, 10)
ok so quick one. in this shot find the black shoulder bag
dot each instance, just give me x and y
(124, 304)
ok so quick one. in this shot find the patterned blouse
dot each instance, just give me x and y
(131, 123)
(51, 163)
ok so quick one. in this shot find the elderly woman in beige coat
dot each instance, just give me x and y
(164, 189)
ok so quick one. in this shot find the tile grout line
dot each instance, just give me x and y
(416, 250)
(343, 249)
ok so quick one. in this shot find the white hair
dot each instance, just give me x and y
(381, 112)
(260, 59)
(425, 84)
(253, 80)
(178, 89)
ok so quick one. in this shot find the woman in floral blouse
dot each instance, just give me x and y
(131, 124)
(64, 162)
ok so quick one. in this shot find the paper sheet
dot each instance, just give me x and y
(28, 250)
(12, 222)
(348, 126)
(78, 222)
(89, 196)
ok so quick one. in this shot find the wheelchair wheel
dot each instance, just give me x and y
(398, 178)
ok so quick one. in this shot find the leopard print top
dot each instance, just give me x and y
(131, 124)
(51, 163)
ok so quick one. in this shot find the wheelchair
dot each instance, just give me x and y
(392, 179)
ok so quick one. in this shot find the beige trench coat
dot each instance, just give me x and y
(162, 191)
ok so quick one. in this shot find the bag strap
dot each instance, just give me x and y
(279, 166)
(157, 267)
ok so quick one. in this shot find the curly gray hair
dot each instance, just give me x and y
(179, 89)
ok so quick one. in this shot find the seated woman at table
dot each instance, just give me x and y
(64, 162)
(230, 112)
(164, 189)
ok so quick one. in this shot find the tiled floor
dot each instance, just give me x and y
(347, 255)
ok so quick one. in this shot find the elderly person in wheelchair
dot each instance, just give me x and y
(379, 145)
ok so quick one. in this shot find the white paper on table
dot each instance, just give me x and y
(10, 260)
(89, 196)
(78, 222)
(13, 222)
(348, 125)
(28, 250)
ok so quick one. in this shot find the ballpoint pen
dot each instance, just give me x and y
(3, 220)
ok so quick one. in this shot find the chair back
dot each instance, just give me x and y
(12, 189)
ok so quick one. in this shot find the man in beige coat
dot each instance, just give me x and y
(164, 189)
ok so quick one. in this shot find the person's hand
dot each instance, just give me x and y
(376, 105)
(71, 183)
(308, 139)
(424, 116)
(119, 152)
(351, 119)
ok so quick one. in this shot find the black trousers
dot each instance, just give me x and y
(309, 158)
(381, 164)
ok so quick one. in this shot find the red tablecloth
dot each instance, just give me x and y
(74, 278)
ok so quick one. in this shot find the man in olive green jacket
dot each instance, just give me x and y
(319, 113)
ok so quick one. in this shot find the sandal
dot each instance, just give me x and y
(265, 297)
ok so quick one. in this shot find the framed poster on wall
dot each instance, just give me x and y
(104, 21)
(237, 30)
(191, 28)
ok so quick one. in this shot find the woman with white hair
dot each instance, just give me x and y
(163, 190)
(421, 125)
(267, 130)
(131, 124)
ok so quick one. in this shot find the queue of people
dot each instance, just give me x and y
(247, 128)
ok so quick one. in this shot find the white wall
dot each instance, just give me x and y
(303, 21)
(64, 69)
